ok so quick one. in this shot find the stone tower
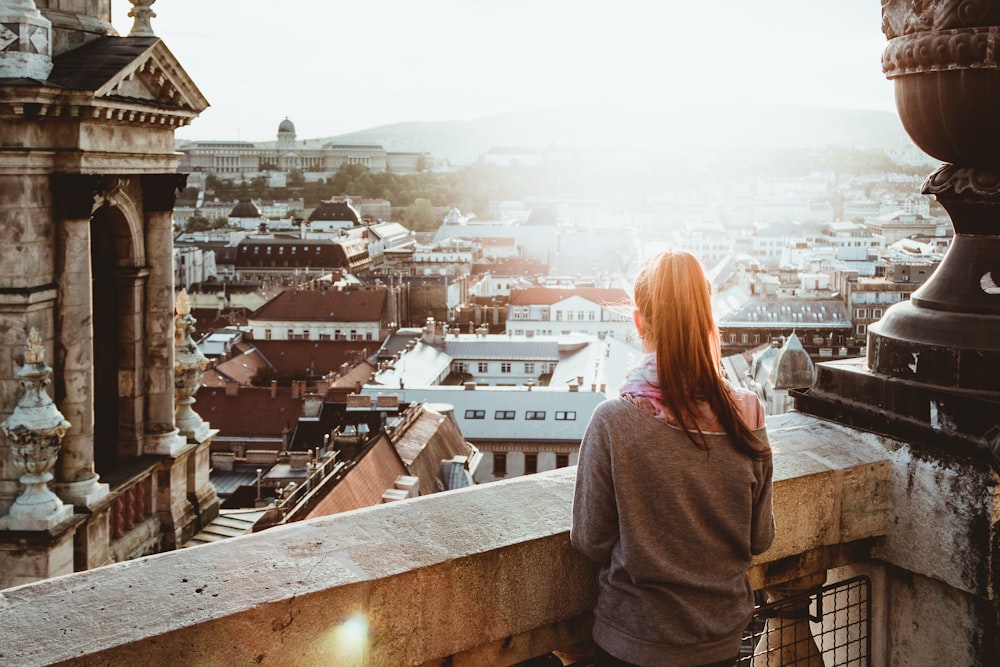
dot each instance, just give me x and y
(87, 188)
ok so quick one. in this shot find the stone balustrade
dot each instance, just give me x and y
(478, 576)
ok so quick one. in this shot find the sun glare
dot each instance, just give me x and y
(347, 644)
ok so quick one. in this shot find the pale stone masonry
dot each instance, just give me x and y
(88, 177)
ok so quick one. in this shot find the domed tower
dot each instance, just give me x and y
(286, 134)
(87, 234)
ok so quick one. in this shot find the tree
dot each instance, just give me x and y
(419, 216)
(197, 223)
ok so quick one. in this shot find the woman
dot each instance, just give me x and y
(673, 490)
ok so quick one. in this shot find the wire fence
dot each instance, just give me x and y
(830, 626)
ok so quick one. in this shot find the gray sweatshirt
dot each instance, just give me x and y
(673, 527)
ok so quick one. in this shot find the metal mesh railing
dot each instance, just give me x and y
(831, 625)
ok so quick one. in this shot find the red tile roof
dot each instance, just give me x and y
(250, 412)
(365, 483)
(353, 305)
(241, 369)
(547, 296)
(298, 357)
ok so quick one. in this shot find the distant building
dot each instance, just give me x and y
(321, 314)
(244, 160)
(524, 401)
(899, 225)
(823, 326)
(262, 257)
(555, 310)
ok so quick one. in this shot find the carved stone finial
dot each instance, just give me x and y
(142, 13)
(181, 307)
(189, 365)
(34, 432)
(34, 351)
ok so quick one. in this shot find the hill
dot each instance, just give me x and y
(688, 129)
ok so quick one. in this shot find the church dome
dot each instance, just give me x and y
(286, 126)
(246, 209)
(793, 368)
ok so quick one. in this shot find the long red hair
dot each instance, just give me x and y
(674, 299)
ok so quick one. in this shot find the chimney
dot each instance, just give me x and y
(274, 388)
(469, 386)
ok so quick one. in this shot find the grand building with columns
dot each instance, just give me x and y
(234, 160)
(95, 354)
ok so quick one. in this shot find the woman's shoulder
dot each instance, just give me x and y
(750, 406)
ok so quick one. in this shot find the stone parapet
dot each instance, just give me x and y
(396, 581)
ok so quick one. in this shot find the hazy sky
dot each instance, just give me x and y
(335, 67)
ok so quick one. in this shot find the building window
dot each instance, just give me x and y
(475, 414)
(499, 464)
(505, 367)
(529, 368)
(558, 316)
(530, 464)
(459, 367)
(861, 329)
(368, 335)
(861, 313)
(267, 334)
(534, 415)
(562, 460)
(354, 334)
(565, 416)
(503, 414)
(580, 316)
(305, 334)
(876, 313)
(483, 367)
(592, 316)
(744, 338)
(290, 334)
(732, 338)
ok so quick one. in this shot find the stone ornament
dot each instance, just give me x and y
(142, 13)
(25, 41)
(949, 179)
(904, 17)
(189, 366)
(34, 431)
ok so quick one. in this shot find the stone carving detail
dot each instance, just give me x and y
(35, 430)
(189, 366)
(25, 41)
(934, 51)
(905, 17)
(142, 13)
(949, 179)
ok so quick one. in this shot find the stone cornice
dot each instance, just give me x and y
(41, 103)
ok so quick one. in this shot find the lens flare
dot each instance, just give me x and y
(347, 644)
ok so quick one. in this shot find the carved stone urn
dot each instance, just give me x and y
(189, 366)
(34, 431)
(943, 59)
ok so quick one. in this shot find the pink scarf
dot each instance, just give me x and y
(642, 389)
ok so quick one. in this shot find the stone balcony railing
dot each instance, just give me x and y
(479, 576)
